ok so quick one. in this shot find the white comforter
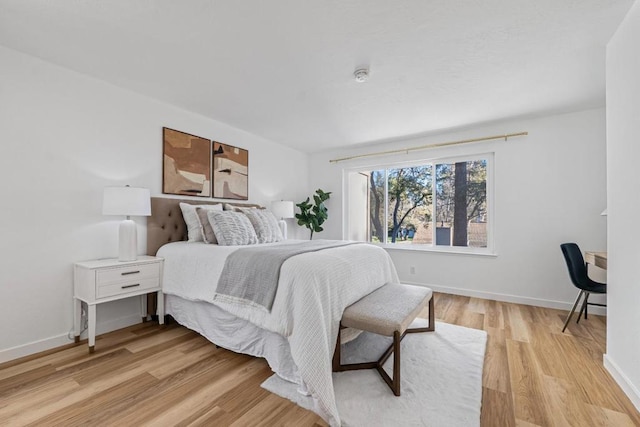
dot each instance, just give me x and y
(313, 291)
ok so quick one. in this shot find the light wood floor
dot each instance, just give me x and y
(147, 375)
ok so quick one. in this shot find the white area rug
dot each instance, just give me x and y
(441, 380)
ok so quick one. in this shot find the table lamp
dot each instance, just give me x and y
(127, 201)
(282, 209)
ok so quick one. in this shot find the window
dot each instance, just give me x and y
(441, 204)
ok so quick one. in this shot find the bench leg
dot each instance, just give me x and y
(432, 321)
(337, 365)
(393, 383)
(336, 354)
(432, 315)
(396, 363)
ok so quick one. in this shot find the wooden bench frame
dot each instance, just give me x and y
(394, 348)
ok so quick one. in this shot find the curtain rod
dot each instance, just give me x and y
(436, 145)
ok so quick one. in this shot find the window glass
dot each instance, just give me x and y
(461, 204)
(440, 203)
(409, 199)
(377, 199)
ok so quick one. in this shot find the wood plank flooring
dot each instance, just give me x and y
(147, 375)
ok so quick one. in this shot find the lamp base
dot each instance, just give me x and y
(283, 227)
(128, 241)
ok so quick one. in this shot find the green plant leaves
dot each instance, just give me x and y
(313, 215)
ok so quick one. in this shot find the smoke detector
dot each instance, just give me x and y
(361, 75)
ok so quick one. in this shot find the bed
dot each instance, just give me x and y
(297, 335)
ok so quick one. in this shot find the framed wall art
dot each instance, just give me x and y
(186, 169)
(230, 172)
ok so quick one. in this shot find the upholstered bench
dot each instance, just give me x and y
(388, 311)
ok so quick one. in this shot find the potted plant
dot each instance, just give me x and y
(313, 215)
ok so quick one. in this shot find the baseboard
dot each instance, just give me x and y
(537, 302)
(33, 347)
(619, 377)
(115, 324)
(60, 340)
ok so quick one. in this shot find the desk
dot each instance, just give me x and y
(599, 259)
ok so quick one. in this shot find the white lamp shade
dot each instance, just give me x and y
(129, 201)
(282, 209)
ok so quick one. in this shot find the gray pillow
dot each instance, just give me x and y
(205, 226)
(232, 228)
(265, 225)
(229, 207)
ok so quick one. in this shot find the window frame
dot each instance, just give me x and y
(433, 161)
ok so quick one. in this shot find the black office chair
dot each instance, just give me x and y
(578, 273)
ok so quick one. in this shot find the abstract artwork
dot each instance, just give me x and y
(186, 168)
(230, 172)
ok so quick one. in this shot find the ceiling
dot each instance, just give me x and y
(283, 69)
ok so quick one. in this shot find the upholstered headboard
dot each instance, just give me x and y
(166, 225)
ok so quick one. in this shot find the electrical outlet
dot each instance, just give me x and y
(412, 270)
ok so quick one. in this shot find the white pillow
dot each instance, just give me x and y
(194, 233)
(265, 224)
(232, 228)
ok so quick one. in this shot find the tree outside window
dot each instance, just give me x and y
(403, 209)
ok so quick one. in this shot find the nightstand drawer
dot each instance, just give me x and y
(132, 273)
(122, 288)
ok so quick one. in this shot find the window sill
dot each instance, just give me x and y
(482, 252)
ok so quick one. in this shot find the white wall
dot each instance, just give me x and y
(549, 188)
(65, 137)
(623, 204)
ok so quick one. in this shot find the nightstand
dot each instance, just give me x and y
(104, 280)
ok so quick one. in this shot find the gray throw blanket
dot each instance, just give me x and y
(250, 275)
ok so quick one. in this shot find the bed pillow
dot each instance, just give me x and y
(191, 220)
(205, 226)
(232, 228)
(229, 207)
(265, 224)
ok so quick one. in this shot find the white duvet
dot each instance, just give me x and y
(313, 291)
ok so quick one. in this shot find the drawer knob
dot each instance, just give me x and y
(126, 273)
(130, 286)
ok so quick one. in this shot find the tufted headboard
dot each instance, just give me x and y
(166, 225)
